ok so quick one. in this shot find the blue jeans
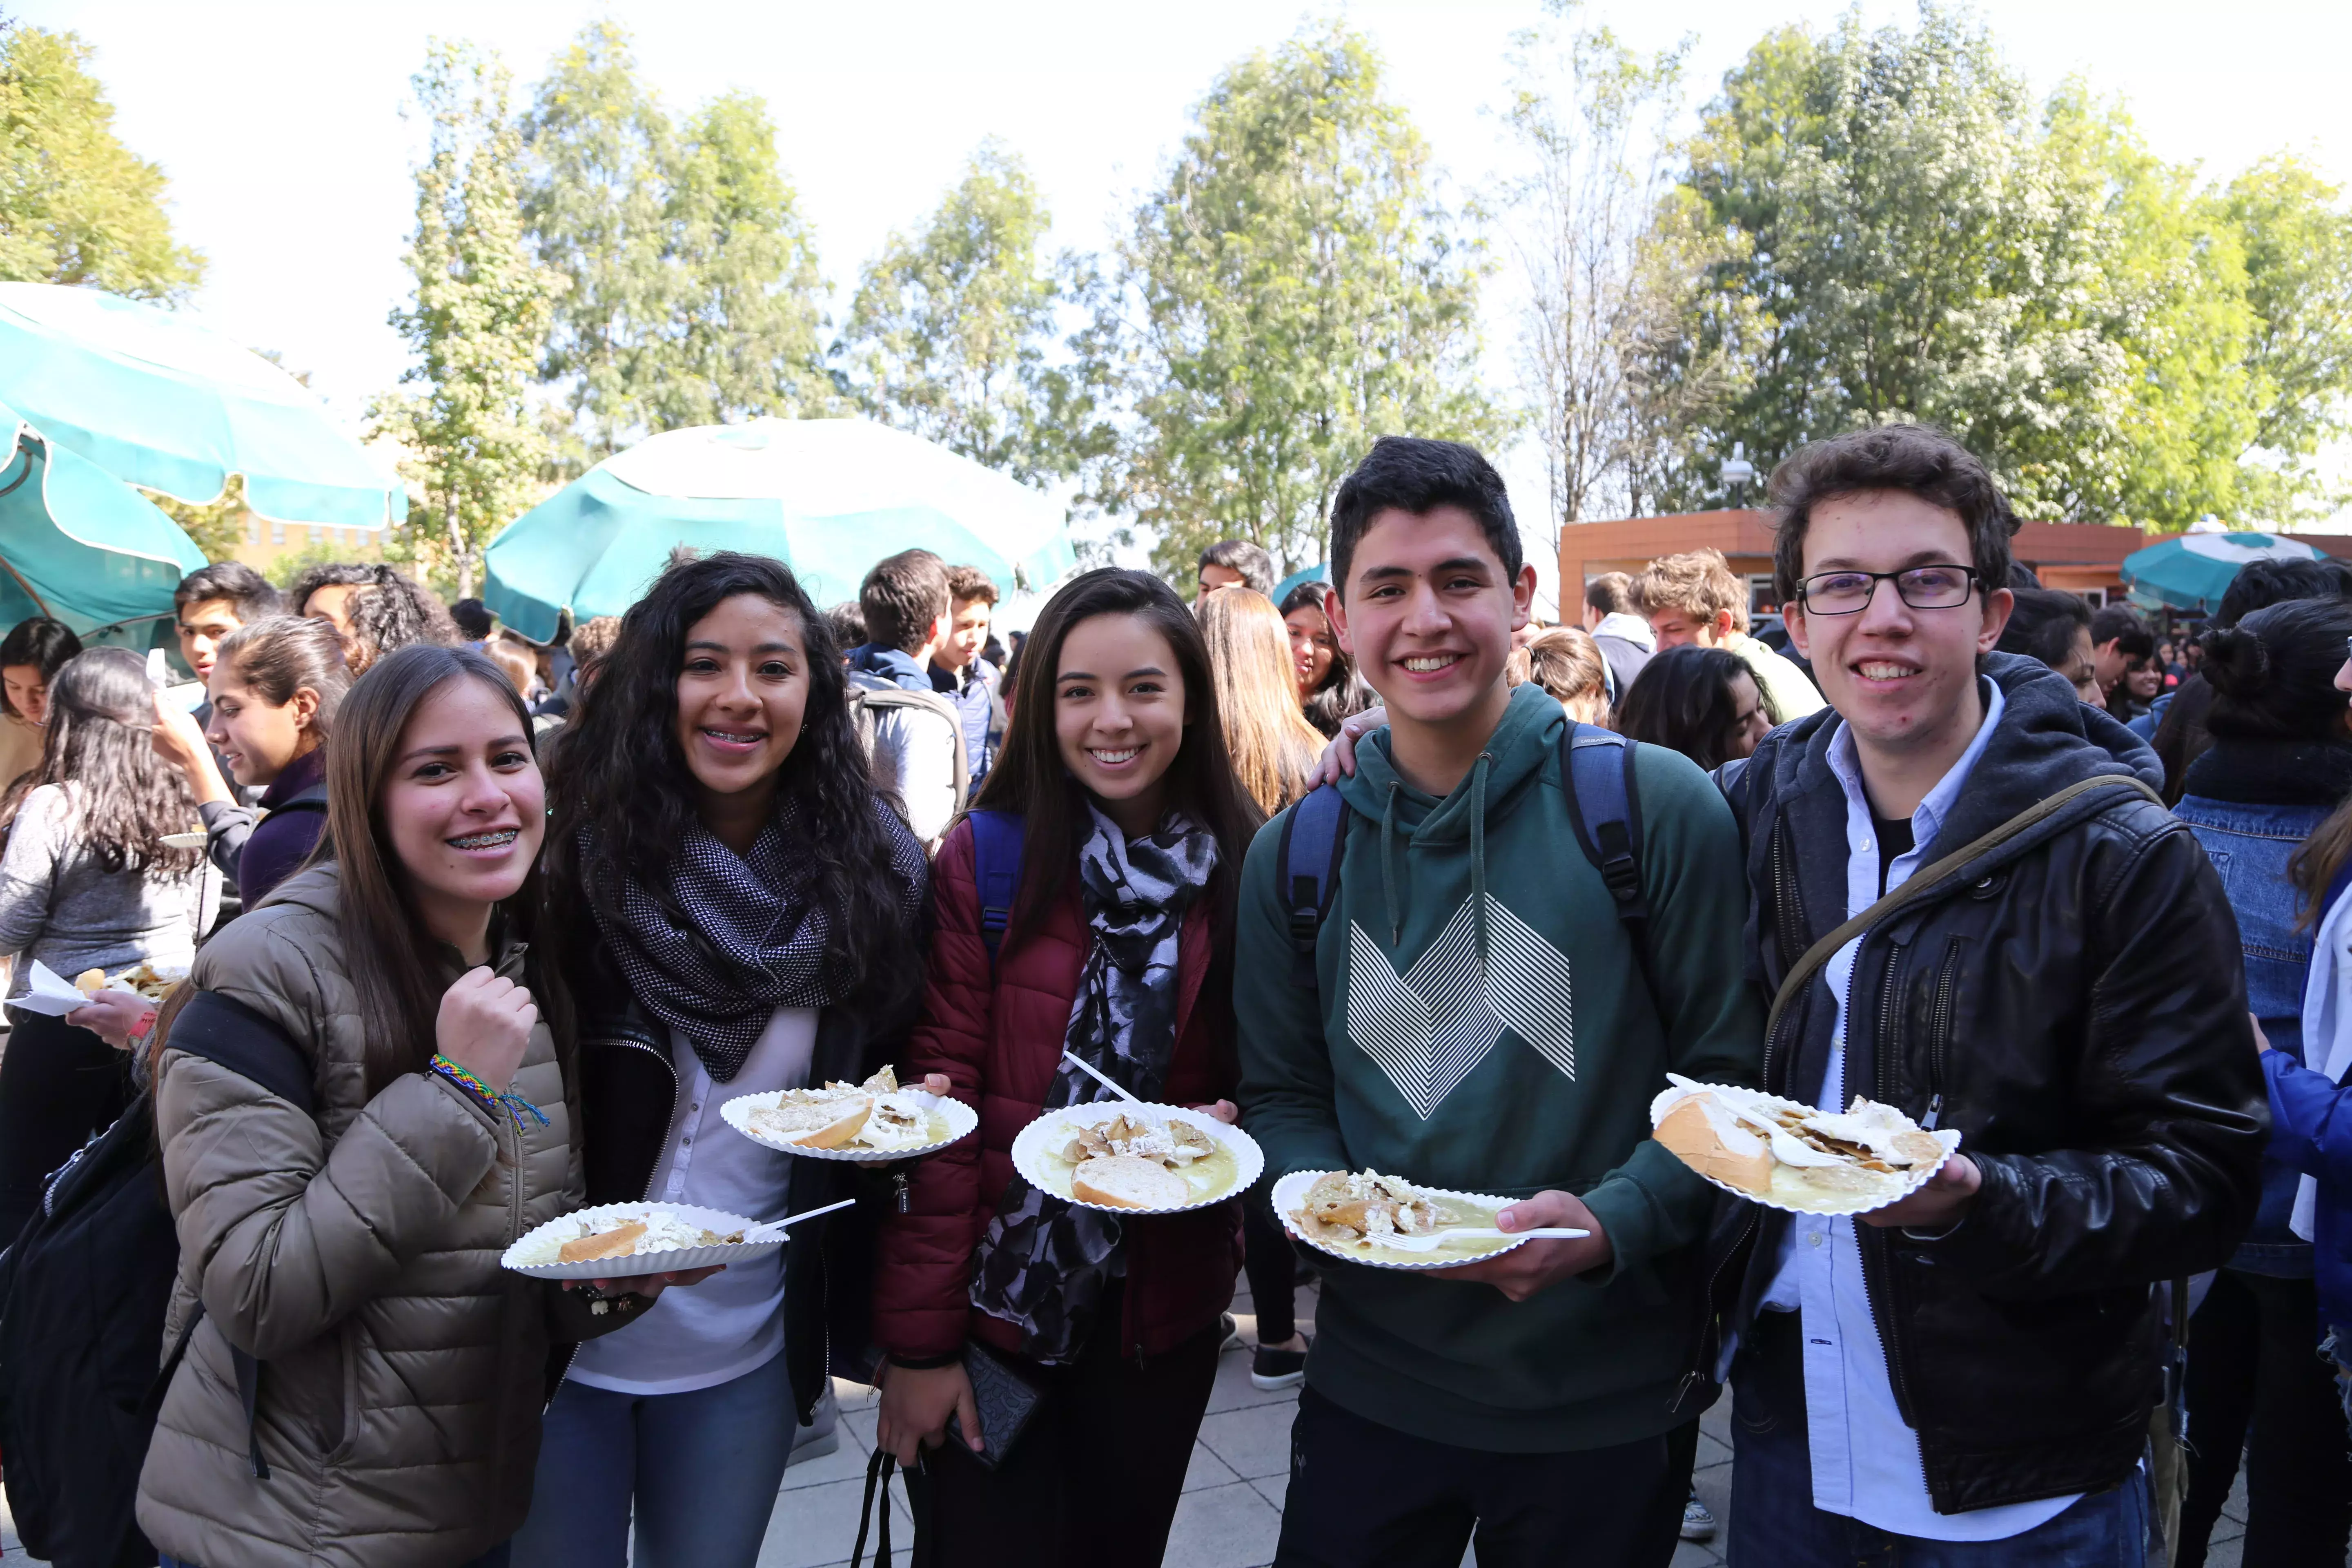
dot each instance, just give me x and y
(1774, 1523)
(703, 1469)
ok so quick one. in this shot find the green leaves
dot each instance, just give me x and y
(76, 205)
(1294, 289)
(1913, 237)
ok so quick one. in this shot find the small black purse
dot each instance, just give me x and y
(1005, 1399)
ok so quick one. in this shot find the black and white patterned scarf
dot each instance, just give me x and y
(1044, 1262)
(752, 941)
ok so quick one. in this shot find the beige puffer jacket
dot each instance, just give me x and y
(356, 1256)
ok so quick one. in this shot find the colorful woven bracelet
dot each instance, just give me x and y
(513, 1104)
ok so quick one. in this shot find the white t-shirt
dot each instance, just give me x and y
(733, 1323)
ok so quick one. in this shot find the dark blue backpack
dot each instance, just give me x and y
(1602, 804)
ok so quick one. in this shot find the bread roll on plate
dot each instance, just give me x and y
(1128, 1182)
(822, 1124)
(1705, 1134)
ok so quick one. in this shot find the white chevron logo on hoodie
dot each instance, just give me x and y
(1431, 1026)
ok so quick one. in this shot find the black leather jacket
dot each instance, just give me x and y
(628, 1091)
(2073, 1003)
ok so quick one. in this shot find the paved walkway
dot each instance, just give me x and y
(1232, 1511)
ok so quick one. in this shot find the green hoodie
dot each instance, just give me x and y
(1540, 1077)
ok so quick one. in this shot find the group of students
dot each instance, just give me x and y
(527, 973)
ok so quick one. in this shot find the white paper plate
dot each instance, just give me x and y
(1827, 1203)
(1055, 1128)
(185, 840)
(1291, 1191)
(962, 1120)
(607, 1215)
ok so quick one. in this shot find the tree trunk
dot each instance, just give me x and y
(458, 551)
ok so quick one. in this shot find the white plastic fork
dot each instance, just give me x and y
(775, 1229)
(1087, 1067)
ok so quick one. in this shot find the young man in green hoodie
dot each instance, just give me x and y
(1479, 1020)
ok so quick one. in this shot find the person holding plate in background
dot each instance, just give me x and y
(87, 882)
(740, 909)
(1105, 853)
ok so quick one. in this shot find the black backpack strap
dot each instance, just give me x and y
(1604, 805)
(223, 1030)
(1312, 838)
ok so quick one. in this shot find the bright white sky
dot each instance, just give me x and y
(280, 124)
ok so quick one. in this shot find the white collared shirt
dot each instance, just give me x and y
(1866, 1458)
(733, 1323)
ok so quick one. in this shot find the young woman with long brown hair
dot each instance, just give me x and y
(1274, 748)
(1118, 949)
(87, 882)
(354, 1250)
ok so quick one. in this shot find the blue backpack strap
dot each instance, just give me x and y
(996, 871)
(1312, 836)
(1605, 808)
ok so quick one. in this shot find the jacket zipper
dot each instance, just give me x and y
(1877, 1252)
(1940, 1030)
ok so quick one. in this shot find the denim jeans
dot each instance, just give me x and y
(1774, 1523)
(702, 1469)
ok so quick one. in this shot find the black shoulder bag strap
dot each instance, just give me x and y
(226, 1031)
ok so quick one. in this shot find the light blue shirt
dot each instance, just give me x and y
(1866, 1458)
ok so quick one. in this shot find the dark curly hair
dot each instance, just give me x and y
(1683, 700)
(391, 610)
(623, 797)
(101, 744)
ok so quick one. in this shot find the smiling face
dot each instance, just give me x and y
(1429, 613)
(258, 738)
(2145, 681)
(1119, 715)
(742, 691)
(29, 694)
(1312, 646)
(201, 625)
(1904, 678)
(463, 806)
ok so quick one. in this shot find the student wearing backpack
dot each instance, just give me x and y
(273, 692)
(1966, 1377)
(341, 1264)
(1104, 854)
(913, 737)
(1527, 1397)
(741, 916)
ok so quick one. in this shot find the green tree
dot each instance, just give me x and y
(949, 334)
(479, 316)
(1913, 237)
(1293, 289)
(75, 205)
(690, 282)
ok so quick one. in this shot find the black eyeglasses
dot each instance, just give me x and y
(1921, 587)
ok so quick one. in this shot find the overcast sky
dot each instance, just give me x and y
(281, 125)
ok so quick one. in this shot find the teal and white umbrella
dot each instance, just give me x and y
(2192, 572)
(162, 402)
(828, 497)
(76, 543)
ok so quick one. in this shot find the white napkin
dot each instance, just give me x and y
(50, 994)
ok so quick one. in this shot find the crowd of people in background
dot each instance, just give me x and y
(527, 913)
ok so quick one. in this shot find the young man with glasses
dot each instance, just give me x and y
(1966, 1377)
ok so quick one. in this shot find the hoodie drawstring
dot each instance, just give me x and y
(1387, 868)
(1478, 771)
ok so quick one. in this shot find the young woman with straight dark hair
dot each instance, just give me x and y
(741, 914)
(274, 690)
(88, 883)
(353, 1249)
(30, 657)
(2280, 761)
(1118, 949)
(1700, 701)
(1329, 690)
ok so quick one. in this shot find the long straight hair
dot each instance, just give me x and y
(1274, 747)
(620, 781)
(1029, 778)
(387, 952)
(100, 745)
